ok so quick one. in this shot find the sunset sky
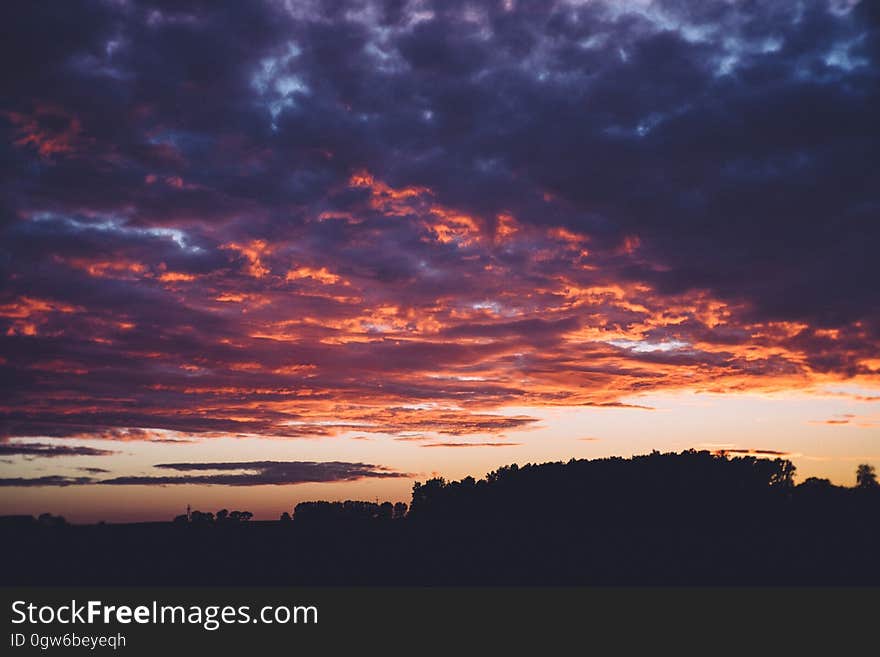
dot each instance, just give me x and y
(258, 253)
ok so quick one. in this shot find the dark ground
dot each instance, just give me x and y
(679, 519)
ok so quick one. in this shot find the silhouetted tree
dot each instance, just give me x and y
(222, 515)
(816, 483)
(348, 513)
(201, 518)
(425, 495)
(285, 517)
(783, 473)
(399, 510)
(49, 520)
(866, 476)
(817, 489)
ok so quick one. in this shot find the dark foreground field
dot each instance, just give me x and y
(689, 518)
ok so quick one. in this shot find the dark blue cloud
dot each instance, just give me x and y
(162, 155)
(34, 450)
(259, 473)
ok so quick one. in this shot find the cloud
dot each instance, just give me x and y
(850, 419)
(620, 405)
(470, 444)
(285, 220)
(247, 473)
(34, 450)
(49, 480)
(259, 473)
(840, 418)
(750, 452)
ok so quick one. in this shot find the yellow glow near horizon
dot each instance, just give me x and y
(796, 425)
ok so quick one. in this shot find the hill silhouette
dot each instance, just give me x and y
(687, 518)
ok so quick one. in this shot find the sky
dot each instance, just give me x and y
(253, 254)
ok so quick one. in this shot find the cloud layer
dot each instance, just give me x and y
(298, 219)
(41, 450)
(257, 473)
(248, 473)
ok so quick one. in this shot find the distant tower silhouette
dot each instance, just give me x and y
(188, 513)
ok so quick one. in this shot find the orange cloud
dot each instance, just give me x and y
(26, 307)
(49, 130)
(108, 268)
(322, 275)
(253, 251)
(176, 277)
